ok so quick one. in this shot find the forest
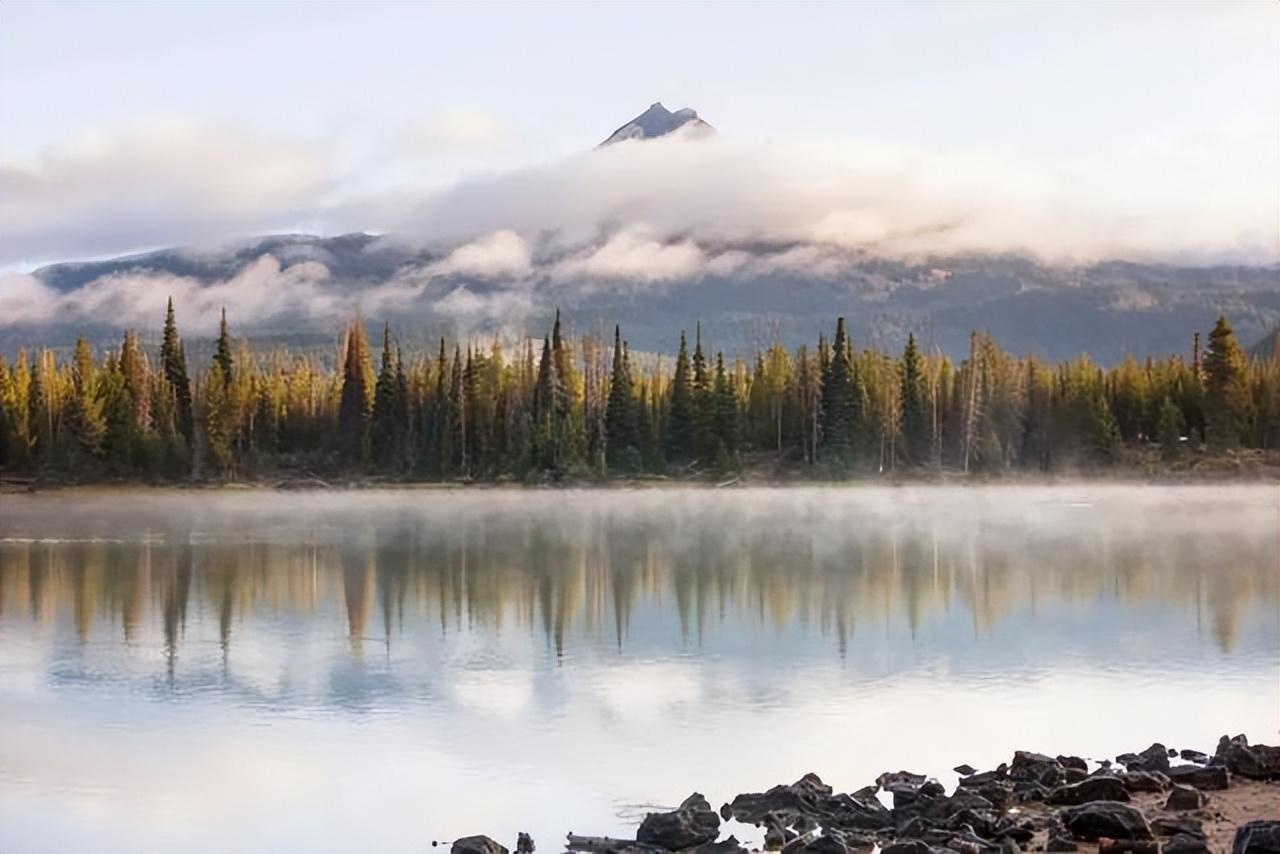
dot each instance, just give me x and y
(561, 409)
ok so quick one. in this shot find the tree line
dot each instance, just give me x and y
(587, 408)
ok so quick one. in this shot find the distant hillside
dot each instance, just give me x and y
(1268, 346)
(1107, 309)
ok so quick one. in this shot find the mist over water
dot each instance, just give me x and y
(375, 670)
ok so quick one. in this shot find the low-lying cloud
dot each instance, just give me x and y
(650, 214)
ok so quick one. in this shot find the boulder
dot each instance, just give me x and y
(965, 770)
(1073, 762)
(854, 812)
(1185, 798)
(800, 798)
(1194, 756)
(1257, 761)
(1172, 825)
(1257, 837)
(1074, 775)
(1036, 768)
(1209, 777)
(909, 846)
(1145, 781)
(1027, 791)
(1184, 844)
(826, 845)
(476, 845)
(1107, 819)
(1090, 789)
(692, 823)
(524, 844)
(1128, 846)
(981, 822)
(727, 846)
(1154, 758)
(1060, 842)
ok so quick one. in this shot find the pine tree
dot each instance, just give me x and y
(1226, 395)
(222, 358)
(1171, 426)
(545, 407)
(356, 400)
(620, 439)
(384, 432)
(85, 423)
(681, 420)
(724, 415)
(916, 432)
(217, 420)
(839, 405)
(174, 361)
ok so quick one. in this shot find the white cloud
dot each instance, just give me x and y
(629, 255)
(153, 184)
(501, 254)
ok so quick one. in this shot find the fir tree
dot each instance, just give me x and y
(1171, 426)
(174, 361)
(620, 440)
(914, 406)
(681, 420)
(222, 358)
(724, 415)
(384, 432)
(839, 402)
(356, 402)
(1226, 393)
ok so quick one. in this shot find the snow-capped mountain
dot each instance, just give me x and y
(659, 121)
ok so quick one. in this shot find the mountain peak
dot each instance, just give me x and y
(659, 121)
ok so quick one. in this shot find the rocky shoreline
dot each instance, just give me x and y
(1158, 800)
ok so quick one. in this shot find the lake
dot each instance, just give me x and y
(374, 670)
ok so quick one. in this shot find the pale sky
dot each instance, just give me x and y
(126, 126)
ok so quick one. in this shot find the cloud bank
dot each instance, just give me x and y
(650, 214)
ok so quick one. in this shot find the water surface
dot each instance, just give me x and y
(253, 671)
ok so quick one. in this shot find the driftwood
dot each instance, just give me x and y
(609, 845)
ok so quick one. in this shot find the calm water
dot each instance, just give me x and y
(374, 670)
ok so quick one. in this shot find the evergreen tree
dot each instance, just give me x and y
(681, 420)
(356, 399)
(839, 404)
(217, 420)
(1226, 394)
(222, 358)
(724, 415)
(174, 361)
(914, 404)
(384, 432)
(620, 439)
(85, 422)
(1171, 426)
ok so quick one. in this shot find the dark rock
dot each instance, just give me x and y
(1172, 753)
(1184, 844)
(1257, 761)
(1073, 762)
(1092, 789)
(915, 827)
(1208, 777)
(965, 770)
(1128, 846)
(1154, 758)
(692, 823)
(776, 837)
(1106, 819)
(1036, 768)
(1195, 756)
(1074, 775)
(1186, 798)
(524, 844)
(1172, 825)
(981, 822)
(892, 781)
(801, 797)
(854, 812)
(998, 792)
(1060, 842)
(1145, 781)
(476, 845)
(826, 845)
(727, 846)
(984, 777)
(1009, 829)
(1029, 792)
(804, 824)
(963, 799)
(1257, 837)
(909, 846)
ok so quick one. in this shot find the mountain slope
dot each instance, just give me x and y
(659, 121)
